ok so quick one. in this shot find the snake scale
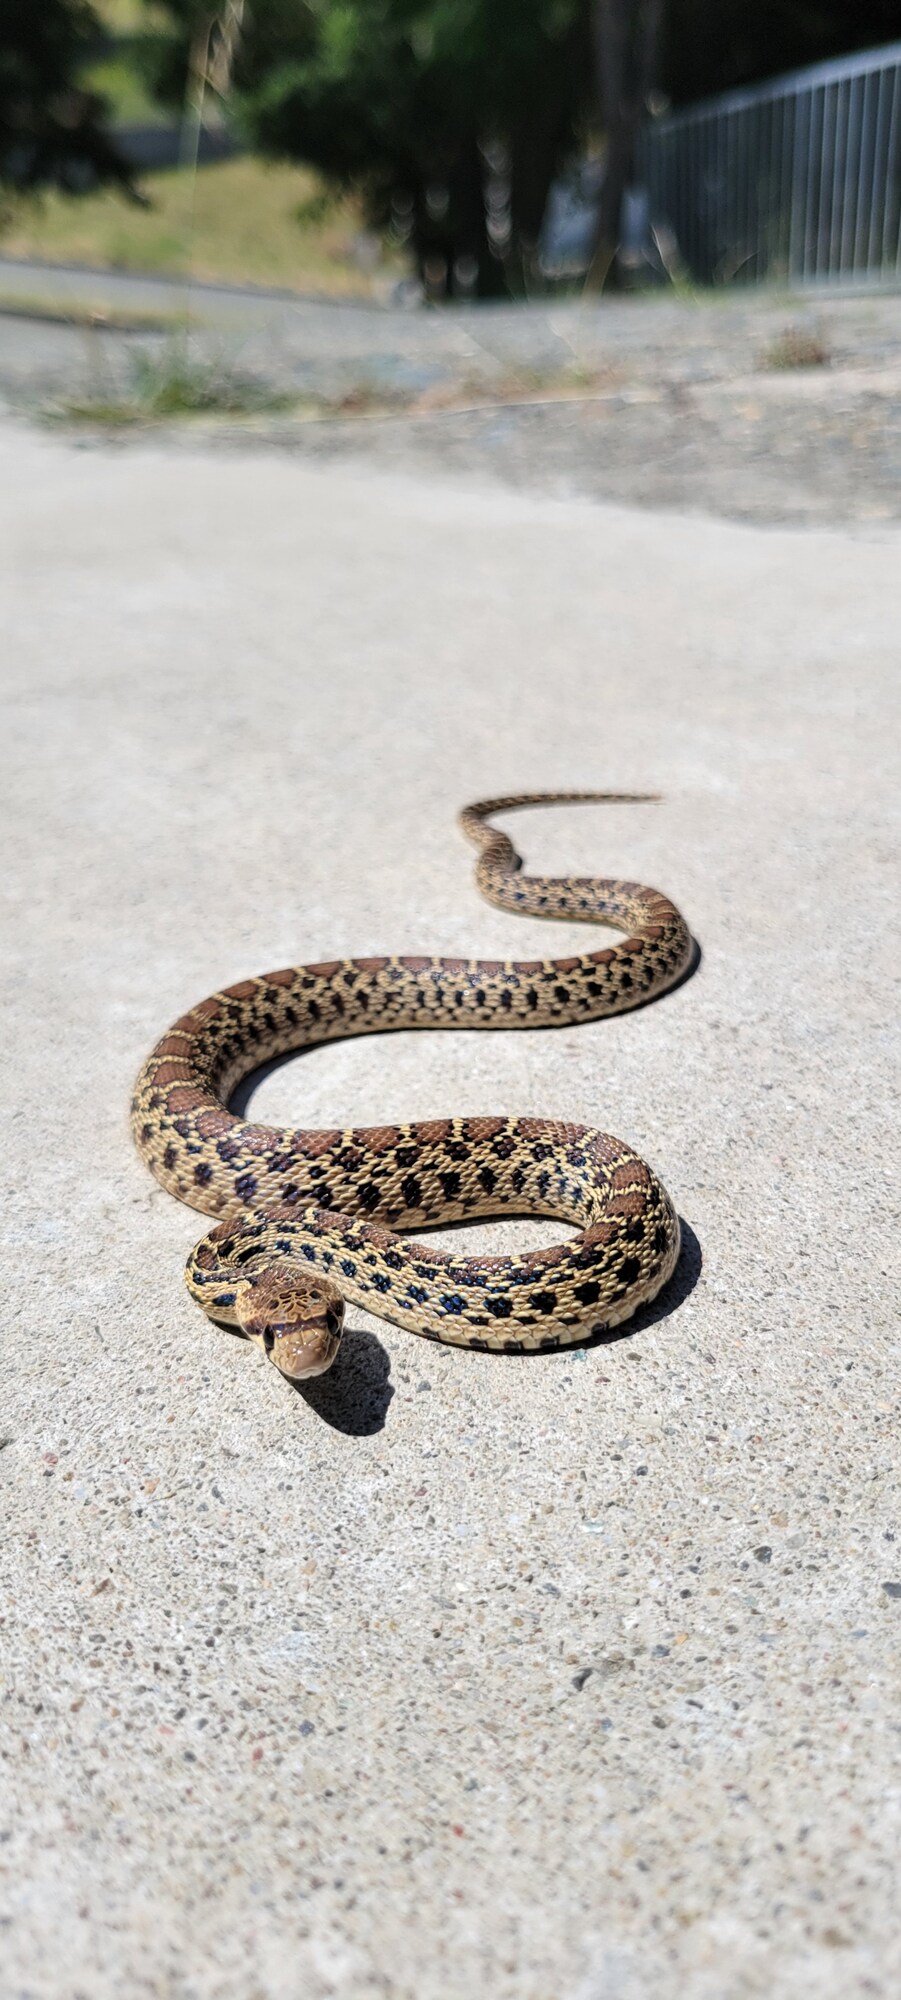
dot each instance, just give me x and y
(309, 1219)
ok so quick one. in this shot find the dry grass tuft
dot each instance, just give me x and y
(172, 384)
(796, 347)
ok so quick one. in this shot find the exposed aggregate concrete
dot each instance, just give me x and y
(568, 1679)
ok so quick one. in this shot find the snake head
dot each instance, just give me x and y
(296, 1319)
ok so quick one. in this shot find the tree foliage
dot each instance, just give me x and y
(452, 117)
(51, 129)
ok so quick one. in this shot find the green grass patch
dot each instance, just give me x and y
(172, 384)
(252, 223)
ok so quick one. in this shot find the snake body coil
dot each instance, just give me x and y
(310, 1218)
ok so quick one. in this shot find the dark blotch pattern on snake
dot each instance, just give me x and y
(309, 1219)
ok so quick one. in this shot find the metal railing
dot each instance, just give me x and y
(798, 179)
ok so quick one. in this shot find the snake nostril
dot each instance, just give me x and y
(268, 1339)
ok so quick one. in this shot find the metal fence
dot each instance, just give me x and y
(798, 179)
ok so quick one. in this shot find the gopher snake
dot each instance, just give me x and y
(310, 1218)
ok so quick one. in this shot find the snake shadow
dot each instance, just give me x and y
(695, 962)
(355, 1394)
(673, 1294)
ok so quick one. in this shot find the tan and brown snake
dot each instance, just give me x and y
(309, 1219)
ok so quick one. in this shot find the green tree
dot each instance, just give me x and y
(51, 129)
(449, 117)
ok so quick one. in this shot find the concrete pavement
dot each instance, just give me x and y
(658, 401)
(574, 1677)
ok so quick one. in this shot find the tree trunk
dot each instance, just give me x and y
(459, 235)
(624, 40)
